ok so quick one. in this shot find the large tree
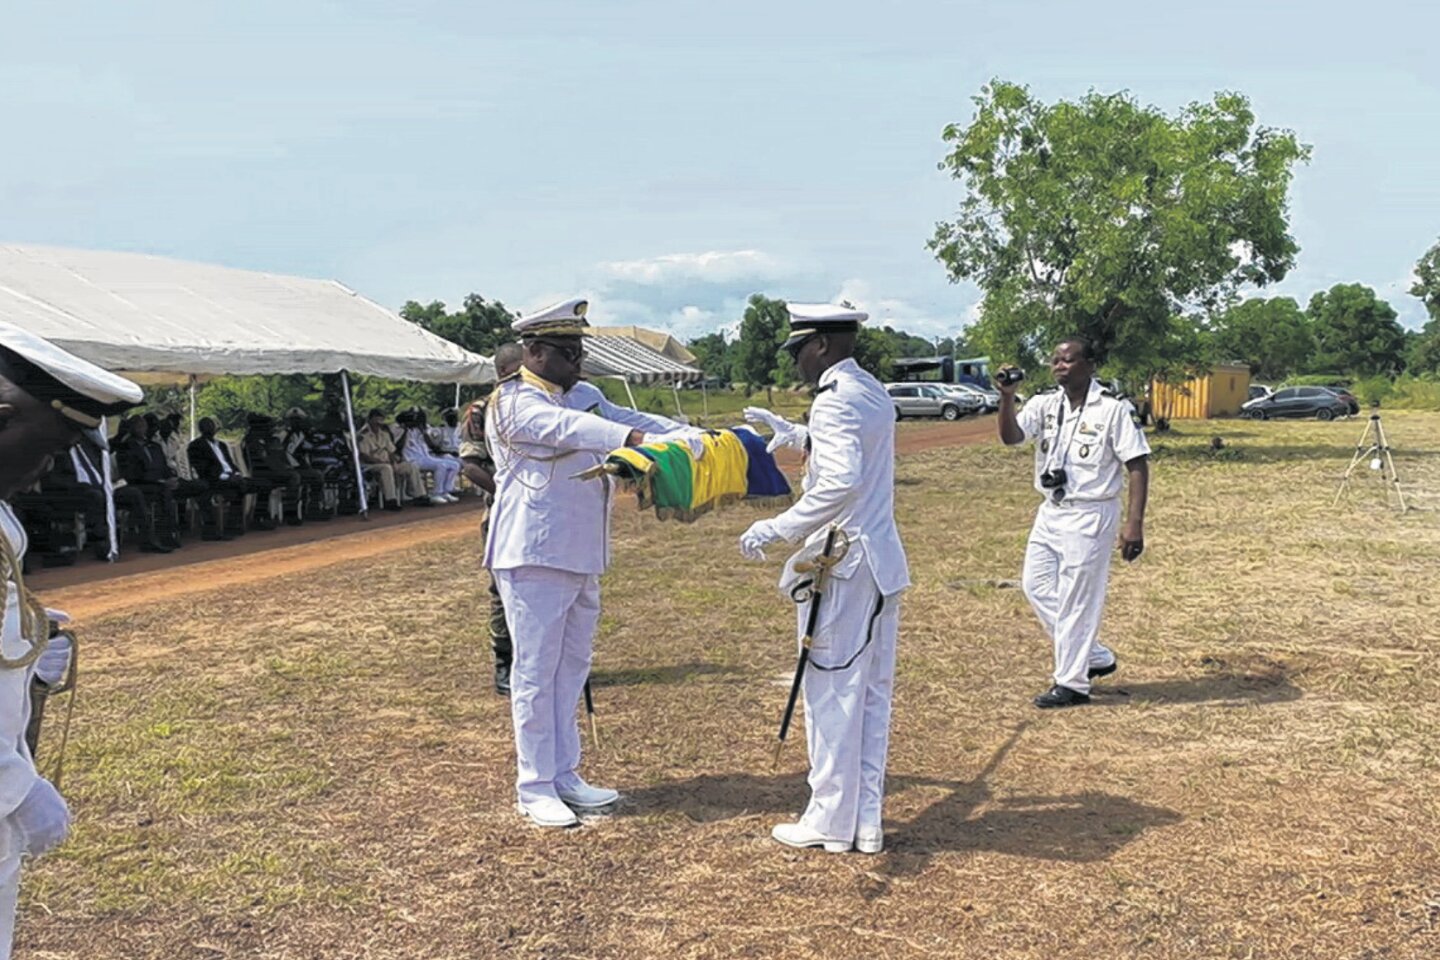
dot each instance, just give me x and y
(763, 329)
(1422, 355)
(1273, 336)
(1110, 219)
(712, 354)
(1355, 332)
(480, 325)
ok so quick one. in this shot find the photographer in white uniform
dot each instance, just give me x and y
(1086, 443)
(47, 397)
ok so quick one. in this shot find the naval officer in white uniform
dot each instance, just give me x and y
(849, 482)
(548, 543)
(47, 397)
(1087, 443)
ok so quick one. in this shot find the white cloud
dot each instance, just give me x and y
(902, 314)
(715, 266)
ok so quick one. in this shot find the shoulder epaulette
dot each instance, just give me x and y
(826, 386)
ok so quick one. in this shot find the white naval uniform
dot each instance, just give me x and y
(1067, 559)
(849, 481)
(549, 541)
(417, 451)
(17, 770)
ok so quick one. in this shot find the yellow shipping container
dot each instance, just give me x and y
(1218, 394)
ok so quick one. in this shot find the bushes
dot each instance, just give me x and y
(1414, 393)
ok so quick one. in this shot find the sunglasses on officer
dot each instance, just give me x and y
(571, 350)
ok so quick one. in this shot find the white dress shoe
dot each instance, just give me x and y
(450, 498)
(581, 794)
(437, 499)
(799, 835)
(870, 840)
(547, 812)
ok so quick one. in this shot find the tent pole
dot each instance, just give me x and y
(630, 393)
(105, 474)
(355, 447)
(193, 432)
(457, 395)
(704, 401)
(675, 389)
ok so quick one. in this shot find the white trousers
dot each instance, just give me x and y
(847, 710)
(9, 890)
(1067, 568)
(446, 470)
(552, 615)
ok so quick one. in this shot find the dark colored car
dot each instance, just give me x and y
(1348, 397)
(1318, 402)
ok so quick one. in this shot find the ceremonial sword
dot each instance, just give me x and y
(821, 567)
(590, 712)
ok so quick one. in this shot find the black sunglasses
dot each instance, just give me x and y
(572, 352)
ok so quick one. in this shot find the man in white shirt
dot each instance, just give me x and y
(548, 543)
(1087, 444)
(849, 485)
(47, 397)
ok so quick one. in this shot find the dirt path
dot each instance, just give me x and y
(232, 565)
(102, 598)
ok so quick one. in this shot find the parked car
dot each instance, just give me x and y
(1347, 396)
(989, 398)
(1318, 402)
(1259, 391)
(927, 400)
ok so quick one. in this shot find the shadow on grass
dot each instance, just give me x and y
(671, 673)
(1245, 453)
(1223, 689)
(1083, 827)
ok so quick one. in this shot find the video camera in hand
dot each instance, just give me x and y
(1009, 376)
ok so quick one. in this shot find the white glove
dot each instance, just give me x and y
(754, 541)
(42, 820)
(690, 436)
(786, 433)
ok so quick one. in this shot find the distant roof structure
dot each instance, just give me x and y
(622, 356)
(170, 318)
(657, 340)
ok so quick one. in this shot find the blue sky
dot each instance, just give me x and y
(665, 158)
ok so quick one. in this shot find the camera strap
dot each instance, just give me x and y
(1063, 450)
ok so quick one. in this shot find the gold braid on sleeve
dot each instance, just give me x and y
(34, 624)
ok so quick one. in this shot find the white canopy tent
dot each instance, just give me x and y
(172, 321)
(628, 360)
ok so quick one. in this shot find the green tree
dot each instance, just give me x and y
(1355, 332)
(480, 325)
(1422, 354)
(712, 354)
(1427, 281)
(763, 329)
(874, 352)
(1110, 219)
(1273, 336)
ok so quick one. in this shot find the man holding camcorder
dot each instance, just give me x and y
(1085, 436)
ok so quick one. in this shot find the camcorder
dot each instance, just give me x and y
(1009, 376)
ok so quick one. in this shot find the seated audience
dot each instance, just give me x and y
(380, 458)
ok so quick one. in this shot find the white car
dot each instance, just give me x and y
(989, 399)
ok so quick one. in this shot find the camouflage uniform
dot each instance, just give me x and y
(471, 433)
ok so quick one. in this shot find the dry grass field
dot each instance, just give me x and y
(315, 767)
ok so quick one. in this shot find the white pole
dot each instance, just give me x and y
(704, 401)
(193, 432)
(675, 388)
(355, 446)
(109, 494)
(630, 393)
(457, 397)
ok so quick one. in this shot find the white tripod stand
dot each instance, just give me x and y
(1376, 449)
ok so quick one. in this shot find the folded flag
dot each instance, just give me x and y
(667, 476)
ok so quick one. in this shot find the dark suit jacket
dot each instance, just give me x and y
(143, 461)
(206, 464)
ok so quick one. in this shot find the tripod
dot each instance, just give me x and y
(1374, 447)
